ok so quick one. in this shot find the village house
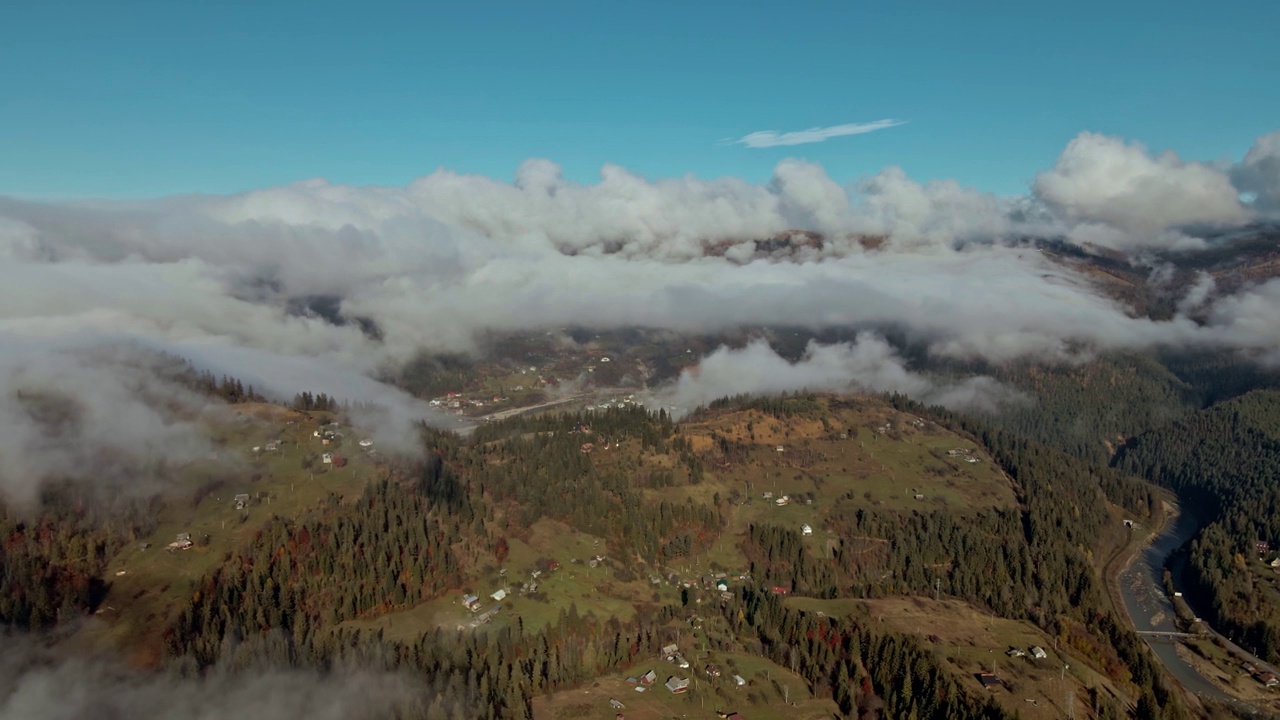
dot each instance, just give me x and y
(989, 681)
(739, 681)
(677, 685)
(327, 458)
(616, 704)
(806, 530)
(649, 678)
(670, 651)
(499, 595)
(273, 446)
(242, 500)
(365, 443)
(471, 602)
(779, 590)
(1016, 652)
(1038, 653)
(713, 671)
(1268, 679)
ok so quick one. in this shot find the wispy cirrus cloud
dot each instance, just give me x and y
(773, 138)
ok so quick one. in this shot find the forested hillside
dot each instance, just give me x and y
(603, 535)
(1089, 410)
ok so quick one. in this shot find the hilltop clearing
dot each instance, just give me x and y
(269, 463)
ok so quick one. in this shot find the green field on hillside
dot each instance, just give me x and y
(149, 583)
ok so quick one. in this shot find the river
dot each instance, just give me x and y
(1141, 587)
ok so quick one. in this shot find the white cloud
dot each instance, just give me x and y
(1135, 196)
(869, 364)
(773, 138)
(1259, 173)
(73, 407)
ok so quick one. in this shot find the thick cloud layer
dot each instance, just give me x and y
(220, 279)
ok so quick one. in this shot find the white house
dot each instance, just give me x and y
(366, 443)
(1038, 653)
(806, 530)
(326, 458)
(499, 595)
(739, 680)
(677, 685)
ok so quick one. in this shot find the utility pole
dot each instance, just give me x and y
(937, 586)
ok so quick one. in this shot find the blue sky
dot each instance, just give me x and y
(139, 99)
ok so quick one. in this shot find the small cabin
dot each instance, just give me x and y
(989, 681)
